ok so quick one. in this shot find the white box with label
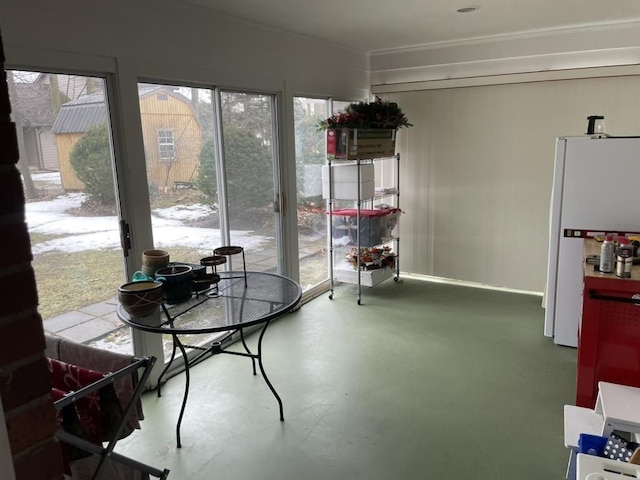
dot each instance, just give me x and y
(345, 181)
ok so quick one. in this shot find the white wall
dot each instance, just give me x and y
(477, 172)
(478, 164)
(183, 43)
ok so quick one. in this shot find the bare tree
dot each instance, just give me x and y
(23, 166)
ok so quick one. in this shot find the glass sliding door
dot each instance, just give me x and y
(312, 221)
(202, 196)
(177, 129)
(180, 157)
(311, 207)
(189, 190)
(249, 157)
(72, 206)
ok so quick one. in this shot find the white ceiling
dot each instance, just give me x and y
(375, 25)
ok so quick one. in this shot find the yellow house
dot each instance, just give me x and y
(172, 135)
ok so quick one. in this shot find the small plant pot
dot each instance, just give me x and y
(153, 260)
(141, 299)
(178, 282)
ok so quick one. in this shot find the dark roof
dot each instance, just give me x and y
(88, 111)
(80, 115)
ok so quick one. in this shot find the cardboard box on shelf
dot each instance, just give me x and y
(354, 143)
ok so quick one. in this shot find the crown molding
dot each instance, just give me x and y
(571, 74)
(524, 53)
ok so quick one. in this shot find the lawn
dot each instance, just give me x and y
(68, 282)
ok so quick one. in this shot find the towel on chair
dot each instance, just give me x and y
(93, 417)
(99, 360)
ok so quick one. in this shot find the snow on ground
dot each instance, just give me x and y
(185, 212)
(51, 178)
(102, 233)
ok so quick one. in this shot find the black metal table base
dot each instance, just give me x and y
(214, 349)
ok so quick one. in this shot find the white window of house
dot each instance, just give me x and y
(166, 144)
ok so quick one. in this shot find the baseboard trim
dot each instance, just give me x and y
(452, 281)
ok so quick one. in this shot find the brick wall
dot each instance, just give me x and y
(24, 379)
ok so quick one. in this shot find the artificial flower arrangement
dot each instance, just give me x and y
(367, 115)
(372, 258)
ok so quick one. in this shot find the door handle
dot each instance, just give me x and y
(634, 300)
(125, 237)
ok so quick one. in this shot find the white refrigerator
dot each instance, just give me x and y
(596, 189)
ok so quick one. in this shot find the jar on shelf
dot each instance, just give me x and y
(607, 255)
(624, 258)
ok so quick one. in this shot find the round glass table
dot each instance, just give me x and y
(231, 307)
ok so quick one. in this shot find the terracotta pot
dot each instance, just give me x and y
(153, 260)
(140, 299)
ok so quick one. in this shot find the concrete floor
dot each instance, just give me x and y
(422, 381)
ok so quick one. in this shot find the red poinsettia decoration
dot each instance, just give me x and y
(377, 114)
(372, 258)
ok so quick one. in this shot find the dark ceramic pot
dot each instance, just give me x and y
(177, 280)
(198, 278)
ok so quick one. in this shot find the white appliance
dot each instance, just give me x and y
(596, 189)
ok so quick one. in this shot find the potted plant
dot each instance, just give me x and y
(364, 130)
(379, 114)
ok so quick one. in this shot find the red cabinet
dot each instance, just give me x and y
(609, 337)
